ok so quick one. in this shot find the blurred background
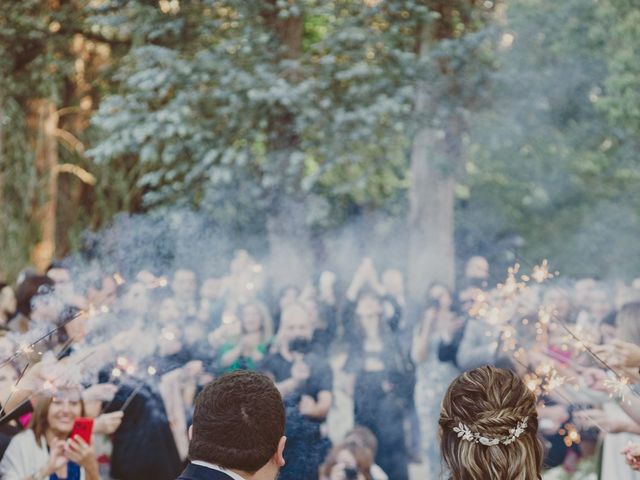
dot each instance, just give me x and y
(424, 130)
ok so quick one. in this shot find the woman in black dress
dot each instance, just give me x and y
(381, 376)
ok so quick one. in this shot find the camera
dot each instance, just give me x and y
(300, 345)
(351, 473)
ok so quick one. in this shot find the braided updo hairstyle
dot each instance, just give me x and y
(490, 401)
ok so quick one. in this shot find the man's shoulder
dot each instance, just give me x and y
(198, 472)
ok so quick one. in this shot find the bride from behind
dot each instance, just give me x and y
(488, 426)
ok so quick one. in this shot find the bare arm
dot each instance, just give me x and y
(317, 409)
(231, 355)
(420, 347)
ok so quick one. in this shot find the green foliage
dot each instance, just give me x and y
(230, 113)
(201, 105)
(548, 162)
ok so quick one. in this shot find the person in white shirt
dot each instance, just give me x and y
(45, 450)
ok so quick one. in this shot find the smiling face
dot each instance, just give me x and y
(63, 410)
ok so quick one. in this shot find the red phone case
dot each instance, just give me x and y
(83, 426)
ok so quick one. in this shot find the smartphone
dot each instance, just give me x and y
(82, 426)
(350, 473)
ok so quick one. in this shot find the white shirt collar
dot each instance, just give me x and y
(233, 475)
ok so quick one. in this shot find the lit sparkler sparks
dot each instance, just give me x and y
(511, 284)
(618, 388)
(540, 273)
(124, 365)
(570, 434)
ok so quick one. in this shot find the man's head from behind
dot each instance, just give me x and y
(238, 424)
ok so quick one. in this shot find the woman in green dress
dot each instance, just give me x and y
(248, 351)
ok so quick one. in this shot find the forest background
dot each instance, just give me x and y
(433, 129)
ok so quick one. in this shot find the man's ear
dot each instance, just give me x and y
(278, 457)
(190, 432)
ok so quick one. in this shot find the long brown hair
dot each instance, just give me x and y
(490, 401)
(39, 422)
(363, 456)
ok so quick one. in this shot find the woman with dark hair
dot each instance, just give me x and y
(439, 322)
(26, 294)
(45, 449)
(348, 461)
(380, 376)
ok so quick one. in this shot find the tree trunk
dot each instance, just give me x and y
(43, 122)
(431, 216)
(435, 156)
(289, 236)
(291, 260)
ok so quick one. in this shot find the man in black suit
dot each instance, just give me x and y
(237, 431)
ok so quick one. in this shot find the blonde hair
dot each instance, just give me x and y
(266, 322)
(490, 401)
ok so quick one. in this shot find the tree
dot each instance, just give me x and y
(456, 48)
(550, 174)
(254, 98)
(49, 55)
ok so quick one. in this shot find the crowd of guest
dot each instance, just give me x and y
(132, 353)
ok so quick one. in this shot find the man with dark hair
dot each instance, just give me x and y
(238, 430)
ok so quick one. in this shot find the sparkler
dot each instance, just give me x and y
(25, 349)
(580, 343)
(131, 396)
(14, 389)
(49, 385)
(570, 434)
(618, 387)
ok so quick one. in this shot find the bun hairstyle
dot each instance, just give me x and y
(488, 427)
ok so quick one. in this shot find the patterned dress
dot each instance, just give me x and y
(432, 380)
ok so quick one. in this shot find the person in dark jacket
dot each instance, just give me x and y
(237, 431)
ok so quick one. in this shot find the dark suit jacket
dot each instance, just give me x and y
(198, 472)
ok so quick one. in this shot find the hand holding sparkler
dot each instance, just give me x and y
(632, 456)
(102, 392)
(552, 418)
(619, 353)
(107, 423)
(609, 423)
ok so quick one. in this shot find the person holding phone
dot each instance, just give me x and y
(348, 461)
(49, 449)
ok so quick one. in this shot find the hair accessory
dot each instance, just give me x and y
(465, 433)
